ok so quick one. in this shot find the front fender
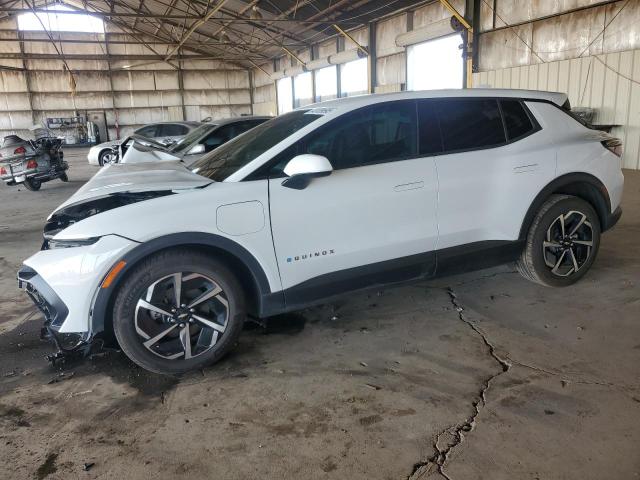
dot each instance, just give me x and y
(266, 300)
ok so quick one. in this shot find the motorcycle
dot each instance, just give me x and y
(32, 162)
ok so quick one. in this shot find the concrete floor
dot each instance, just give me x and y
(483, 375)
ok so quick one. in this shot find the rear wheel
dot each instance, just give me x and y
(178, 311)
(562, 242)
(32, 184)
(107, 157)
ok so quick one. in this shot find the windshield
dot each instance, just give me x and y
(232, 156)
(191, 137)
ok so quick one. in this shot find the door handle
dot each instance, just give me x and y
(532, 167)
(408, 186)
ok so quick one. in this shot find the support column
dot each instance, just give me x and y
(251, 84)
(373, 58)
(113, 95)
(181, 88)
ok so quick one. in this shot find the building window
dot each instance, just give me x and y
(285, 95)
(435, 64)
(303, 89)
(60, 22)
(326, 83)
(354, 78)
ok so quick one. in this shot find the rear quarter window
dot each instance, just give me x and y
(516, 119)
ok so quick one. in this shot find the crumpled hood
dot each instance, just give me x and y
(140, 177)
(119, 185)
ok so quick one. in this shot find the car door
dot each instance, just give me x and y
(372, 221)
(493, 163)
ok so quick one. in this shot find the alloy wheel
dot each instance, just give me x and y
(109, 158)
(182, 315)
(568, 243)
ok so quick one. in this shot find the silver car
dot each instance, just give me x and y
(202, 140)
(166, 132)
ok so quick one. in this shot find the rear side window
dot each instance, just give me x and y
(149, 131)
(468, 124)
(172, 130)
(516, 119)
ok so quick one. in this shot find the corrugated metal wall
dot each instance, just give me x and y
(608, 83)
(591, 54)
(40, 88)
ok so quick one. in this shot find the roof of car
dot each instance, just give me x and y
(360, 100)
(178, 122)
(225, 121)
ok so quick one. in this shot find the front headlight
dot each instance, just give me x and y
(50, 243)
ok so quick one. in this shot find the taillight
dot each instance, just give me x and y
(614, 145)
(19, 150)
(3, 171)
(32, 164)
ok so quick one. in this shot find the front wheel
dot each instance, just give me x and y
(107, 157)
(562, 242)
(32, 184)
(178, 311)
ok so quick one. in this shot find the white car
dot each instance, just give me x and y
(103, 154)
(204, 139)
(324, 200)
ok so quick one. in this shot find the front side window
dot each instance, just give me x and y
(378, 133)
(469, 123)
(516, 119)
(232, 156)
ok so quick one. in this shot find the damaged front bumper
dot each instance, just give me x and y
(63, 284)
(55, 313)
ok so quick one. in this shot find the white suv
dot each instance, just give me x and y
(324, 200)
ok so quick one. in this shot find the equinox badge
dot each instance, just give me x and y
(308, 256)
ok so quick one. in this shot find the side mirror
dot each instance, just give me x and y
(197, 148)
(302, 168)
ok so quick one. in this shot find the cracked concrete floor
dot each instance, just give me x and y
(387, 385)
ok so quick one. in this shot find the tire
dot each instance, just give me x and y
(64, 177)
(32, 184)
(549, 258)
(136, 326)
(107, 157)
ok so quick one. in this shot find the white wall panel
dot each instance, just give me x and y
(14, 102)
(386, 33)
